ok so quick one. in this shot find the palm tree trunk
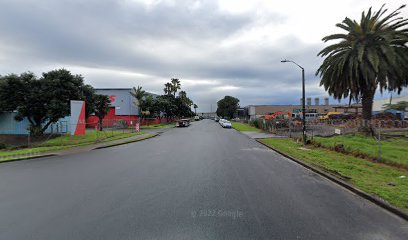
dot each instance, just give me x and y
(367, 102)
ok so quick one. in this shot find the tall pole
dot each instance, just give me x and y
(303, 106)
(303, 100)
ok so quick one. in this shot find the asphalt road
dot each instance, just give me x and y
(200, 182)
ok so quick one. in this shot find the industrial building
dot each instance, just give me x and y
(122, 107)
(255, 111)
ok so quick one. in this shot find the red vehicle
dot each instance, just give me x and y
(277, 115)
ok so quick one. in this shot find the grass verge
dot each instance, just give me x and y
(243, 127)
(158, 126)
(127, 142)
(64, 142)
(394, 151)
(374, 178)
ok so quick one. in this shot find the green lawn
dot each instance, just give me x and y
(394, 151)
(66, 141)
(243, 127)
(374, 178)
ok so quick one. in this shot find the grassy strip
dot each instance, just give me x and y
(64, 142)
(393, 151)
(373, 178)
(242, 127)
(158, 126)
(89, 137)
(127, 142)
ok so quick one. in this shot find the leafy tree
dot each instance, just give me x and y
(168, 104)
(42, 101)
(88, 93)
(148, 103)
(373, 53)
(102, 106)
(195, 108)
(400, 106)
(227, 107)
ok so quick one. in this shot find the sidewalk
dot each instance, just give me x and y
(260, 135)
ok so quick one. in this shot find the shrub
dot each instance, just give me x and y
(254, 123)
(3, 145)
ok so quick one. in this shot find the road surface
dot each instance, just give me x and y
(200, 182)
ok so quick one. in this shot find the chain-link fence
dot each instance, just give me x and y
(293, 128)
(385, 143)
(59, 134)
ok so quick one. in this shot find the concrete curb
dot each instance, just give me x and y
(127, 142)
(334, 179)
(28, 158)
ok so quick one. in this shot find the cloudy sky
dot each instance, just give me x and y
(216, 47)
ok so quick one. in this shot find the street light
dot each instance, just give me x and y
(303, 99)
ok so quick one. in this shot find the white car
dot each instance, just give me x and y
(225, 123)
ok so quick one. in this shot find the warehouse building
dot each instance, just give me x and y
(122, 107)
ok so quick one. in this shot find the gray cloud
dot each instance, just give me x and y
(125, 43)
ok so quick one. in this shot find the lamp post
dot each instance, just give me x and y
(303, 99)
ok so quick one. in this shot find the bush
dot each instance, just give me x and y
(3, 145)
(254, 123)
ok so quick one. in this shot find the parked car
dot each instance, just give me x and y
(221, 121)
(216, 119)
(197, 118)
(183, 123)
(226, 124)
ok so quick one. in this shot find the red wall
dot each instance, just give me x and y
(111, 118)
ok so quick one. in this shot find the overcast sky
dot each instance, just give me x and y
(215, 47)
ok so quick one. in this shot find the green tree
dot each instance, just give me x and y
(166, 105)
(400, 106)
(88, 93)
(101, 106)
(372, 54)
(227, 107)
(42, 101)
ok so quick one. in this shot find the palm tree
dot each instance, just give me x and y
(371, 54)
(102, 107)
(195, 108)
(168, 89)
(175, 85)
(139, 94)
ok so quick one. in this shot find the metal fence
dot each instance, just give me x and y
(293, 128)
(60, 134)
(382, 130)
